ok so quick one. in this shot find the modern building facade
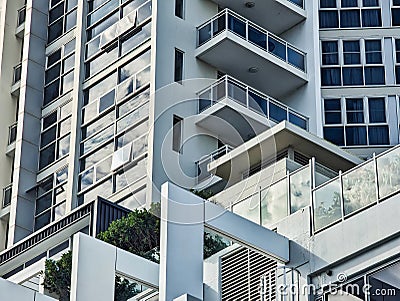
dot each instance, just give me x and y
(286, 110)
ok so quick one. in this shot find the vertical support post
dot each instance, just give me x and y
(181, 245)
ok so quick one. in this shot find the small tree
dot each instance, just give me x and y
(57, 276)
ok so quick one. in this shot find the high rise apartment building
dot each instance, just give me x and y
(271, 105)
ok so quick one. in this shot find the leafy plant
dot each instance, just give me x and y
(57, 276)
(138, 233)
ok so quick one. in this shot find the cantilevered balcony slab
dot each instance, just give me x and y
(276, 15)
(237, 112)
(251, 54)
(271, 142)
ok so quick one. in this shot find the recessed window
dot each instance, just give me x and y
(350, 14)
(179, 8)
(62, 18)
(363, 124)
(352, 66)
(178, 70)
(177, 125)
(55, 136)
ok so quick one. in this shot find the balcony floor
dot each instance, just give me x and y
(233, 122)
(233, 55)
(268, 13)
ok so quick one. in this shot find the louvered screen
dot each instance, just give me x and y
(241, 272)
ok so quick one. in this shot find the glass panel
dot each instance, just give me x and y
(133, 134)
(142, 78)
(86, 179)
(218, 25)
(52, 73)
(135, 39)
(237, 26)
(300, 190)
(69, 63)
(204, 34)
(60, 194)
(71, 20)
(48, 136)
(257, 37)
(359, 188)
(53, 58)
(68, 82)
(258, 103)
(144, 12)
(249, 208)
(276, 47)
(47, 156)
(106, 101)
(204, 100)
(43, 203)
(277, 113)
(237, 92)
(131, 175)
(103, 168)
(98, 139)
(274, 203)
(327, 205)
(389, 173)
(59, 211)
(132, 118)
(133, 103)
(295, 119)
(63, 146)
(124, 89)
(51, 92)
(296, 58)
(65, 127)
(42, 220)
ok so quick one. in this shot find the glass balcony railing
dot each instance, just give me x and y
(359, 188)
(21, 16)
(299, 3)
(17, 73)
(228, 87)
(7, 191)
(285, 196)
(202, 171)
(227, 20)
(12, 133)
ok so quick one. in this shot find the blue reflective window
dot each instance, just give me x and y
(378, 135)
(277, 113)
(356, 135)
(334, 135)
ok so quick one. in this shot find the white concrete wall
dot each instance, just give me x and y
(12, 291)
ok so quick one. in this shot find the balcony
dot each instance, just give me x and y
(7, 193)
(19, 31)
(233, 102)
(354, 191)
(265, 149)
(260, 58)
(12, 137)
(268, 13)
(17, 71)
(202, 172)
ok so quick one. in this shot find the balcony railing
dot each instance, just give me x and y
(12, 133)
(228, 87)
(227, 20)
(7, 192)
(21, 16)
(17, 73)
(202, 172)
(299, 3)
(357, 189)
(332, 200)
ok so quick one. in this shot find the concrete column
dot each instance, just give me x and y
(93, 269)
(181, 245)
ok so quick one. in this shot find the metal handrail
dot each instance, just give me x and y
(7, 191)
(12, 133)
(216, 154)
(227, 12)
(45, 233)
(268, 99)
(21, 16)
(17, 73)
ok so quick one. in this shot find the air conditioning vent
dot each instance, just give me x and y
(241, 272)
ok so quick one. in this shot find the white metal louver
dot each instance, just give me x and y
(241, 271)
